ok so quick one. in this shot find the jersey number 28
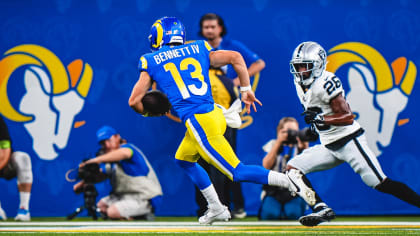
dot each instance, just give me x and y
(196, 74)
(332, 84)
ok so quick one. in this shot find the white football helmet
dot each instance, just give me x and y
(314, 57)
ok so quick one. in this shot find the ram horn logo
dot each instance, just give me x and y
(377, 95)
(54, 95)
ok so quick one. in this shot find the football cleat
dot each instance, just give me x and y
(298, 186)
(325, 214)
(211, 215)
(23, 215)
(2, 214)
(239, 213)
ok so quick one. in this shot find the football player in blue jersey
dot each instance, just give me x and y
(181, 70)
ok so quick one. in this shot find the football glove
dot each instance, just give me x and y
(312, 117)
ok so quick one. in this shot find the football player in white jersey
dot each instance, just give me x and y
(342, 140)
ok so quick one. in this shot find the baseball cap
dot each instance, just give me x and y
(105, 132)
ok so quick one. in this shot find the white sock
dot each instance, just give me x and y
(24, 200)
(278, 179)
(210, 195)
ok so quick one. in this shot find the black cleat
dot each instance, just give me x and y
(324, 215)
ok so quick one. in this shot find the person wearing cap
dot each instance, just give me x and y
(135, 187)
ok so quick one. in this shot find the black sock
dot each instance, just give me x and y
(399, 190)
(308, 183)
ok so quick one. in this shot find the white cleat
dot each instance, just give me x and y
(2, 214)
(221, 214)
(325, 214)
(298, 186)
(23, 215)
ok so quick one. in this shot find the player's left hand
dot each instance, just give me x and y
(312, 117)
(248, 97)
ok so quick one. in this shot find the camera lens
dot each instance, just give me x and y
(291, 136)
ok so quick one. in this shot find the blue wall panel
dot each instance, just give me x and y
(55, 120)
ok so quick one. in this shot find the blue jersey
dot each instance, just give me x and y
(248, 55)
(182, 73)
(136, 165)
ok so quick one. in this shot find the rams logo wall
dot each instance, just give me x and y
(54, 95)
(378, 93)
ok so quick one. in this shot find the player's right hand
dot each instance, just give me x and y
(248, 97)
(313, 117)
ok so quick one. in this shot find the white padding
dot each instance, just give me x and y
(22, 162)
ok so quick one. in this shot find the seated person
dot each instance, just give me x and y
(135, 187)
(15, 164)
(279, 203)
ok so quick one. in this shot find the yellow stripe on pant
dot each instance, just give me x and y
(204, 136)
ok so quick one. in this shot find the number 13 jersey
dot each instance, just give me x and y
(182, 73)
(318, 97)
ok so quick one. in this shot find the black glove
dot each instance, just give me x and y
(312, 117)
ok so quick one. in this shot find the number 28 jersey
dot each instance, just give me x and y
(182, 73)
(318, 97)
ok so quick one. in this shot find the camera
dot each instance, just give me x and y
(307, 134)
(89, 173)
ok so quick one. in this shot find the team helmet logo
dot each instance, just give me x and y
(378, 92)
(54, 95)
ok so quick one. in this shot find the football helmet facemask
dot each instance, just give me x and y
(166, 30)
(312, 56)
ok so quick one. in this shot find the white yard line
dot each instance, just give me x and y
(196, 224)
(251, 227)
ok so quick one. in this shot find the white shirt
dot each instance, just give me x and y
(319, 94)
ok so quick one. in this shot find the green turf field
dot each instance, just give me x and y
(408, 225)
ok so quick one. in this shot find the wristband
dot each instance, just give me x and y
(4, 144)
(244, 89)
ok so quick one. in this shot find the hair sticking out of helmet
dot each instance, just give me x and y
(166, 30)
(308, 63)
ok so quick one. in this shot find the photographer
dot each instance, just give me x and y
(135, 187)
(280, 203)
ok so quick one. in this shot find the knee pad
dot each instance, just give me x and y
(370, 180)
(23, 165)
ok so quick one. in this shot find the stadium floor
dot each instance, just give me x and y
(343, 226)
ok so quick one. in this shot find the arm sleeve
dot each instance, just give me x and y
(204, 45)
(143, 65)
(208, 47)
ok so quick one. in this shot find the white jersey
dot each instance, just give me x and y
(318, 96)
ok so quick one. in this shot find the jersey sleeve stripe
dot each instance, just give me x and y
(208, 46)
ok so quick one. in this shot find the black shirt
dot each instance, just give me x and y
(4, 132)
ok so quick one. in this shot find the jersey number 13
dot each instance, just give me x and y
(185, 90)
